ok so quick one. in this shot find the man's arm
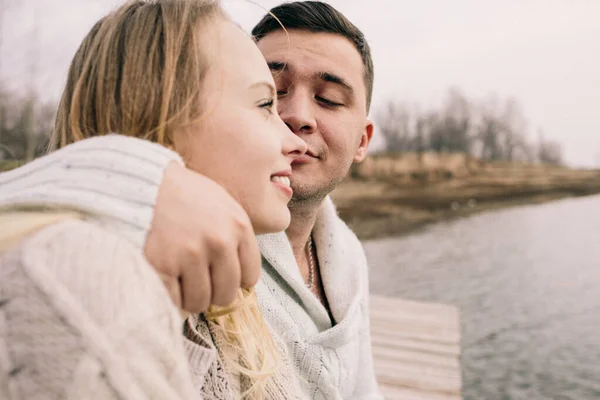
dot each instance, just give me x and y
(190, 229)
(114, 178)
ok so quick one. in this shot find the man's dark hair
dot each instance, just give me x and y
(316, 16)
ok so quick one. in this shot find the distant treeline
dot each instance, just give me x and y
(490, 130)
(25, 125)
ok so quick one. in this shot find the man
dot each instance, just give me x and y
(314, 286)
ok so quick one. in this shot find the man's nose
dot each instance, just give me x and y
(297, 110)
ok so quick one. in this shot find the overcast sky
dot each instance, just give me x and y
(545, 53)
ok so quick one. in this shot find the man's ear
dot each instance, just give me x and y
(365, 139)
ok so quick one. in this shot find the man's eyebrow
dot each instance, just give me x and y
(280, 67)
(277, 66)
(329, 77)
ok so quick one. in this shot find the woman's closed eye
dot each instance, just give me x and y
(267, 104)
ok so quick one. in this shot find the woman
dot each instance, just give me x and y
(84, 315)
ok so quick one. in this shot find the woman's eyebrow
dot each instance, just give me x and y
(265, 84)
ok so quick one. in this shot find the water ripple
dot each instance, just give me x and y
(527, 281)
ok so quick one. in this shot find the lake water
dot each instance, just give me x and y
(527, 281)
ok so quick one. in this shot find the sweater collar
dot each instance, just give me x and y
(340, 258)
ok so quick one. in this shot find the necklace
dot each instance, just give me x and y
(311, 262)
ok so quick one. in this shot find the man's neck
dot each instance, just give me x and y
(303, 221)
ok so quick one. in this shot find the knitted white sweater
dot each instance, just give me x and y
(117, 178)
(336, 362)
(83, 316)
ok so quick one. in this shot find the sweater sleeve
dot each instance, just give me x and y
(84, 316)
(114, 178)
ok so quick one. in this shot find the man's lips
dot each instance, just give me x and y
(305, 158)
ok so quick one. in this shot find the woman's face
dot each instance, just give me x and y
(240, 142)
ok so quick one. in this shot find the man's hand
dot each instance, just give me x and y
(201, 241)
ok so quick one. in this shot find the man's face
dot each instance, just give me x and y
(322, 99)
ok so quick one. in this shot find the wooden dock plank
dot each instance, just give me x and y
(416, 349)
(394, 392)
(391, 341)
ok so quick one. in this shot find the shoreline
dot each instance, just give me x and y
(381, 208)
(386, 206)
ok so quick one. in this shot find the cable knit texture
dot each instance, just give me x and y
(84, 316)
(220, 382)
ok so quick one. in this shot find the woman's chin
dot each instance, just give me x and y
(272, 223)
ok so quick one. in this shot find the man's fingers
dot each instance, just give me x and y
(197, 224)
(173, 287)
(250, 261)
(225, 274)
(196, 286)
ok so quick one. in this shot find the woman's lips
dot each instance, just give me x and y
(283, 183)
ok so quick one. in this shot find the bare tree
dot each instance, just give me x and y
(502, 131)
(395, 126)
(509, 136)
(22, 139)
(449, 129)
(549, 151)
(24, 120)
(456, 122)
(420, 140)
(489, 129)
(2, 95)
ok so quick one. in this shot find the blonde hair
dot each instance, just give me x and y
(139, 72)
